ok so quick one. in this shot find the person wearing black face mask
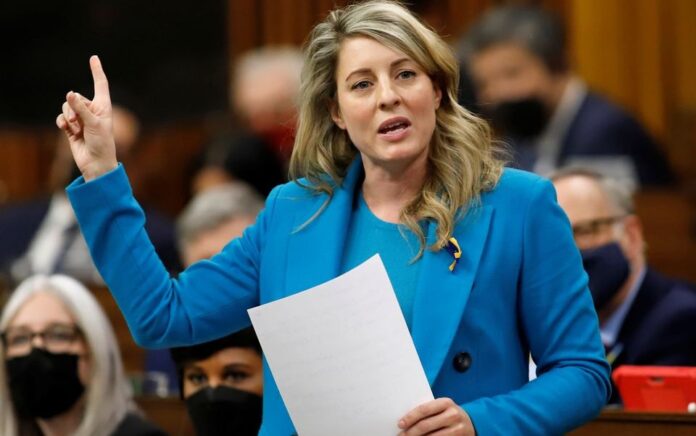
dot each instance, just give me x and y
(517, 58)
(221, 382)
(645, 318)
(60, 368)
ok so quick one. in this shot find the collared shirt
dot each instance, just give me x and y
(550, 141)
(610, 328)
(47, 242)
(57, 247)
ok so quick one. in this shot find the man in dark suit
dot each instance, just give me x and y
(645, 318)
(517, 59)
(42, 236)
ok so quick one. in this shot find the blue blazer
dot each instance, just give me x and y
(519, 288)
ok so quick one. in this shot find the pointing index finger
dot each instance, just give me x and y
(101, 85)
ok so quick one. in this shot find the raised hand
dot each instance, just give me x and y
(88, 126)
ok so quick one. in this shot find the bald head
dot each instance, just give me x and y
(600, 210)
(583, 199)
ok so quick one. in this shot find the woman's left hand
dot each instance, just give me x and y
(438, 417)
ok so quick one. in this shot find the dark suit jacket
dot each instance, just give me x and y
(601, 128)
(659, 327)
(20, 222)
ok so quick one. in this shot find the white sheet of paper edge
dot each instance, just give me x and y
(342, 356)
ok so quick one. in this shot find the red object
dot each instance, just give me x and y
(656, 388)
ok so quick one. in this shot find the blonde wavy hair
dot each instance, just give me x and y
(462, 160)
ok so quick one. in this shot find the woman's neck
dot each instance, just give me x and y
(387, 192)
(64, 424)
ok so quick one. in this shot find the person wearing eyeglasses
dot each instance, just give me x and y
(62, 372)
(645, 318)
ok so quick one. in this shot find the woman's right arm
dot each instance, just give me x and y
(206, 301)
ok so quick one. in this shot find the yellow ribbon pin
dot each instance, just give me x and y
(456, 252)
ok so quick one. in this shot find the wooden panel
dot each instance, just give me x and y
(159, 167)
(681, 39)
(242, 26)
(132, 355)
(602, 68)
(648, 37)
(168, 413)
(25, 156)
(640, 54)
(669, 228)
(679, 24)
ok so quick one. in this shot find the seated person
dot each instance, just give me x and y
(222, 383)
(244, 157)
(210, 220)
(41, 236)
(517, 58)
(645, 318)
(62, 371)
(264, 88)
(215, 217)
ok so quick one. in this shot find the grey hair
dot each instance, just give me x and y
(108, 394)
(619, 194)
(285, 59)
(215, 206)
(536, 30)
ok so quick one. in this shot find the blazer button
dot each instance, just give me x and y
(462, 362)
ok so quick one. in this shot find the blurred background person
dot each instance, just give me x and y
(518, 60)
(214, 218)
(222, 384)
(645, 318)
(210, 221)
(41, 236)
(263, 94)
(244, 157)
(62, 372)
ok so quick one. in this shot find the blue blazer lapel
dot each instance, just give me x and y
(315, 252)
(441, 294)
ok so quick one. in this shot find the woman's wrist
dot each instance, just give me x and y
(98, 170)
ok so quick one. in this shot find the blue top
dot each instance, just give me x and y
(518, 289)
(396, 245)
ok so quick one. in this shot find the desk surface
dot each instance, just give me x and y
(619, 422)
(170, 414)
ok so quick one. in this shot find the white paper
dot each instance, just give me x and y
(342, 356)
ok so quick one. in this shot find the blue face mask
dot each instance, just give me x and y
(608, 269)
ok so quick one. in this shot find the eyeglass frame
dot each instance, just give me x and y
(76, 332)
(581, 229)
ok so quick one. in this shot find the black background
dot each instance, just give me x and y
(165, 58)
